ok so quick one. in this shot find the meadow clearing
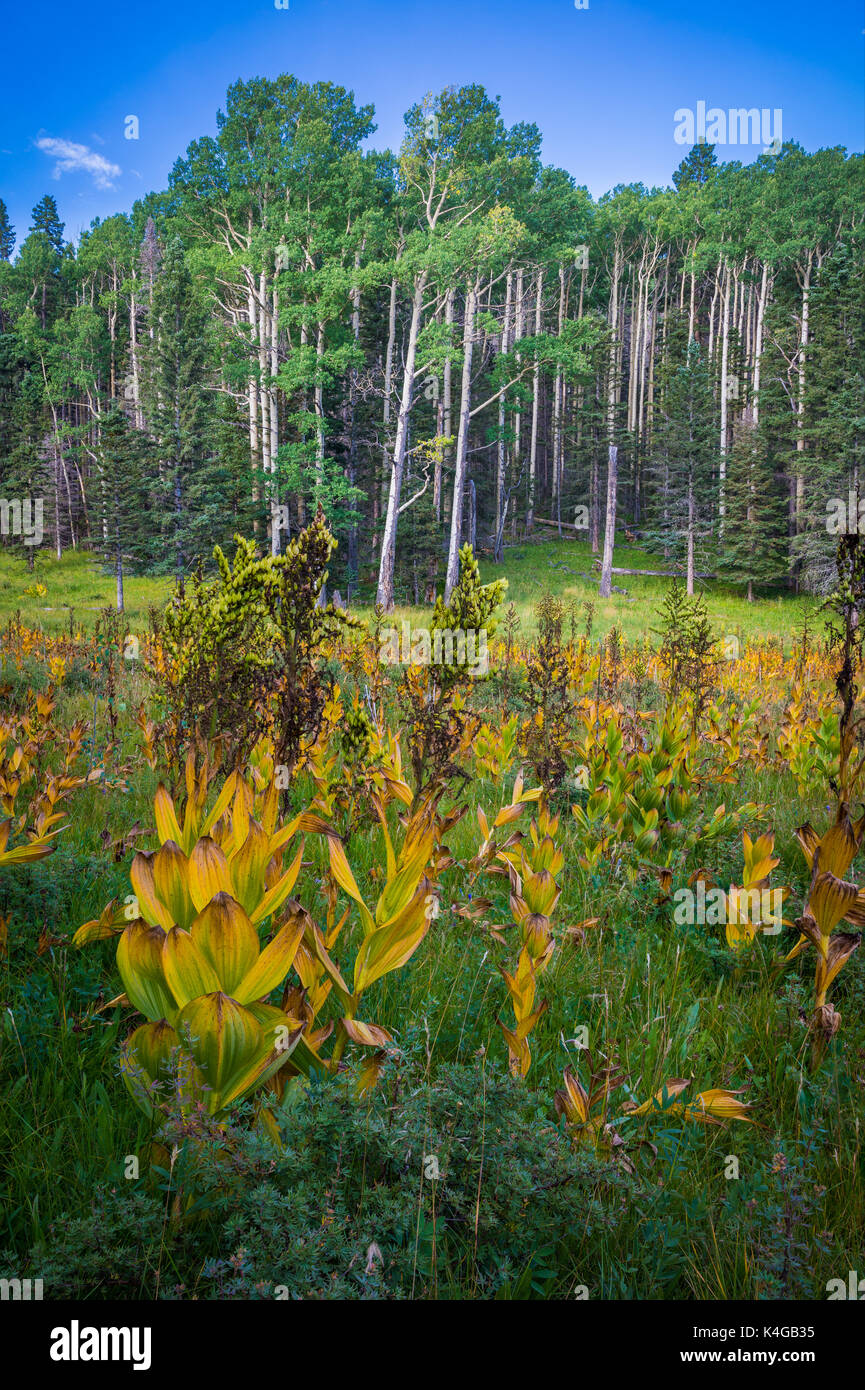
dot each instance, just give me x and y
(483, 1052)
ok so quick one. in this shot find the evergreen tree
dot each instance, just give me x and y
(683, 507)
(176, 409)
(835, 409)
(753, 547)
(7, 234)
(38, 267)
(697, 166)
(46, 219)
(123, 540)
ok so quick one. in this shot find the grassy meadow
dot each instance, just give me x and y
(451, 1177)
(78, 583)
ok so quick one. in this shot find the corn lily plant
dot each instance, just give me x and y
(533, 899)
(832, 898)
(747, 909)
(394, 929)
(226, 850)
(391, 933)
(38, 847)
(585, 1108)
(708, 1107)
(191, 959)
(25, 745)
(202, 992)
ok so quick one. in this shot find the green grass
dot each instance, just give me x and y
(540, 566)
(76, 583)
(667, 1000)
(545, 565)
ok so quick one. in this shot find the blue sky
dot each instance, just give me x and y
(602, 83)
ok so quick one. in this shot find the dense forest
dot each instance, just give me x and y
(439, 346)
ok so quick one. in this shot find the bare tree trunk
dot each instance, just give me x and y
(758, 340)
(536, 394)
(557, 410)
(501, 452)
(453, 571)
(518, 419)
(447, 385)
(715, 295)
(385, 595)
(253, 395)
(805, 282)
(725, 350)
(633, 356)
(263, 374)
(605, 588)
(613, 358)
(388, 388)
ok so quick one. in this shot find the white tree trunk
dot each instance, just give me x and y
(758, 340)
(385, 595)
(453, 571)
(725, 349)
(605, 588)
(536, 397)
(805, 281)
(388, 388)
(501, 450)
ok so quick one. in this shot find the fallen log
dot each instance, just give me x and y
(657, 574)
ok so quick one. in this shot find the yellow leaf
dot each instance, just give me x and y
(171, 881)
(366, 1034)
(208, 873)
(187, 970)
(276, 896)
(167, 825)
(143, 882)
(139, 960)
(228, 941)
(272, 965)
(389, 947)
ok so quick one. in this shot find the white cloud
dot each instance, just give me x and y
(71, 157)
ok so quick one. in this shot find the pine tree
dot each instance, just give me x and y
(835, 408)
(46, 219)
(176, 411)
(123, 537)
(753, 549)
(682, 462)
(7, 234)
(697, 166)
